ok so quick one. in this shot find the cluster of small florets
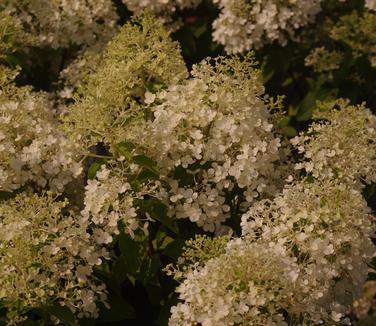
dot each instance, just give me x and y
(323, 60)
(33, 148)
(140, 57)
(357, 32)
(243, 25)
(109, 204)
(327, 226)
(160, 6)
(370, 4)
(341, 144)
(250, 284)
(305, 253)
(74, 76)
(214, 128)
(61, 23)
(12, 35)
(47, 257)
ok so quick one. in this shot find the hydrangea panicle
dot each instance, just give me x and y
(243, 25)
(47, 257)
(214, 128)
(33, 148)
(141, 56)
(61, 23)
(326, 147)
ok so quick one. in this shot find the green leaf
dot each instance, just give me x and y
(94, 168)
(125, 149)
(199, 30)
(174, 249)
(146, 162)
(29, 322)
(62, 313)
(158, 211)
(371, 277)
(290, 131)
(147, 175)
(130, 255)
(119, 310)
(4, 195)
(184, 178)
(161, 240)
(149, 269)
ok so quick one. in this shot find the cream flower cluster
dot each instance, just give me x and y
(32, 146)
(305, 253)
(108, 204)
(60, 23)
(47, 257)
(12, 35)
(141, 56)
(327, 226)
(341, 144)
(215, 127)
(160, 6)
(249, 284)
(371, 4)
(243, 25)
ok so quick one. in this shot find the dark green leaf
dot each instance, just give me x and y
(119, 310)
(63, 314)
(94, 168)
(146, 162)
(158, 211)
(130, 259)
(174, 249)
(125, 149)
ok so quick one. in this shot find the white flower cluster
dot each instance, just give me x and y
(60, 23)
(216, 129)
(341, 144)
(32, 147)
(108, 202)
(327, 227)
(160, 6)
(371, 4)
(142, 55)
(243, 25)
(304, 253)
(47, 257)
(244, 286)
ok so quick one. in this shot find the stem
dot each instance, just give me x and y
(100, 156)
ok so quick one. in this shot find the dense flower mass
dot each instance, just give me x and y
(109, 203)
(243, 25)
(160, 6)
(299, 254)
(32, 146)
(216, 129)
(371, 4)
(326, 147)
(136, 59)
(356, 31)
(249, 284)
(126, 156)
(327, 226)
(61, 23)
(11, 35)
(323, 60)
(47, 257)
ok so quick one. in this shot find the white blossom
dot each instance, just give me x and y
(211, 136)
(243, 25)
(33, 148)
(61, 23)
